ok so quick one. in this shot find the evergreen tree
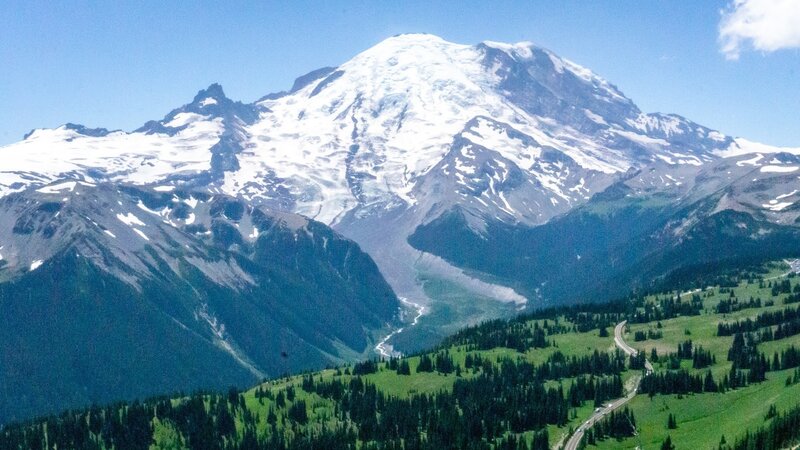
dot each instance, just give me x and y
(403, 368)
(425, 364)
(671, 423)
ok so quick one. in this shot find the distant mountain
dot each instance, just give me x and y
(112, 291)
(481, 179)
(409, 112)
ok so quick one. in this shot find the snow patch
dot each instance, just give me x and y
(208, 101)
(163, 213)
(58, 188)
(595, 117)
(192, 202)
(521, 49)
(184, 118)
(641, 139)
(778, 169)
(777, 206)
(141, 234)
(750, 162)
(666, 159)
(741, 147)
(782, 196)
(130, 220)
(717, 136)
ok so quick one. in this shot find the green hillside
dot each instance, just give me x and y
(725, 358)
(99, 322)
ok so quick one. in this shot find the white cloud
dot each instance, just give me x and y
(765, 25)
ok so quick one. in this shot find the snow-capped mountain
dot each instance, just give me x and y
(373, 129)
(410, 130)
(370, 131)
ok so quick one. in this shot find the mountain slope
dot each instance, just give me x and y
(170, 290)
(605, 249)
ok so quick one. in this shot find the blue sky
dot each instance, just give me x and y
(118, 64)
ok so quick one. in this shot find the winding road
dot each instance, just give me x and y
(575, 439)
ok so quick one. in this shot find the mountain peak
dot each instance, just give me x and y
(416, 37)
(414, 42)
(212, 92)
(86, 131)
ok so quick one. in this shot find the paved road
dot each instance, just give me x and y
(575, 439)
(794, 267)
(620, 342)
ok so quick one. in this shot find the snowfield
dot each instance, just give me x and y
(369, 131)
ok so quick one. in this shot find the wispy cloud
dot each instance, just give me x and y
(765, 25)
